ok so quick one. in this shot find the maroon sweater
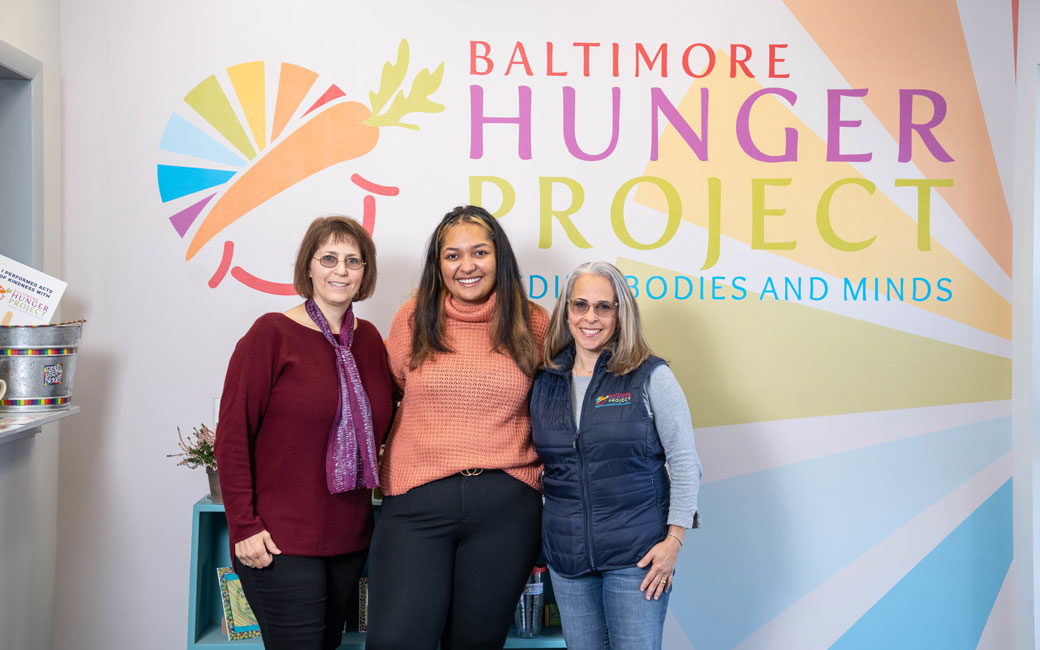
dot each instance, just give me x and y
(276, 411)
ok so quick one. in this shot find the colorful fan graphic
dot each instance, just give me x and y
(306, 137)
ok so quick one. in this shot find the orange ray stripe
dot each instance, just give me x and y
(892, 44)
(293, 85)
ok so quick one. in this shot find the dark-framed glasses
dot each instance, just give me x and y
(603, 308)
(331, 262)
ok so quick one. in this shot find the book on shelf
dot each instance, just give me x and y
(552, 616)
(238, 616)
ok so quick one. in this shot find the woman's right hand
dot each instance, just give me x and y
(256, 551)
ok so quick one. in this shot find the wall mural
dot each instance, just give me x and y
(810, 202)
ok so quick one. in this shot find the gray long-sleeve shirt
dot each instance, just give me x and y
(667, 405)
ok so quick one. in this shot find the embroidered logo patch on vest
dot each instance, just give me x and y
(614, 399)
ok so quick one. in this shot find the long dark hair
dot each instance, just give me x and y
(510, 322)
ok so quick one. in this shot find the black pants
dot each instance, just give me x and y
(449, 560)
(301, 603)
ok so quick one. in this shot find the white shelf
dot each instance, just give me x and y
(18, 425)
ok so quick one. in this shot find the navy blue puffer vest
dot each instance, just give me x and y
(606, 488)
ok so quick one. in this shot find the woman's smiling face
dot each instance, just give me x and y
(468, 262)
(591, 330)
(335, 287)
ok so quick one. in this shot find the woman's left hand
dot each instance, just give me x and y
(661, 559)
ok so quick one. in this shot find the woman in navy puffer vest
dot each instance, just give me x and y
(607, 416)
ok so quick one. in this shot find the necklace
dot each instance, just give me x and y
(584, 372)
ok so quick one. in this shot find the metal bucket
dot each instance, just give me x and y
(38, 363)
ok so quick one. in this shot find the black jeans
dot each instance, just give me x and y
(300, 602)
(449, 560)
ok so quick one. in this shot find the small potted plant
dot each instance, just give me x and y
(197, 451)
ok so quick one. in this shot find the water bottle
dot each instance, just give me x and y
(528, 616)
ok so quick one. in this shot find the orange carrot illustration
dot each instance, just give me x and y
(341, 132)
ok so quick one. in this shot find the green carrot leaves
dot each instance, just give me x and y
(416, 101)
(393, 75)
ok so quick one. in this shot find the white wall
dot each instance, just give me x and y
(1026, 366)
(28, 467)
(124, 525)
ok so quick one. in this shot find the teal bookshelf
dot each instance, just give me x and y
(209, 550)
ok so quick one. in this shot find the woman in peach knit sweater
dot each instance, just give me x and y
(460, 525)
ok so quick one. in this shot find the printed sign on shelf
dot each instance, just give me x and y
(27, 296)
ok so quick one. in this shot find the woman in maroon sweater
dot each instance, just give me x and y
(306, 404)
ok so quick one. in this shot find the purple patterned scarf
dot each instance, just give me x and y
(350, 458)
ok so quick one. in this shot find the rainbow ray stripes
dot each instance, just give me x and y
(36, 352)
(39, 401)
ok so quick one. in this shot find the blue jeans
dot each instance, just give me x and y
(606, 611)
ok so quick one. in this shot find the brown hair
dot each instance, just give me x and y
(511, 321)
(339, 229)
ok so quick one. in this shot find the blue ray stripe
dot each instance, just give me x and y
(945, 600)
(181, 136)
(773, 536)
(175, 182)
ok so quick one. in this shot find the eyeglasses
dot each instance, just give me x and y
(331, 262)
(603, 308)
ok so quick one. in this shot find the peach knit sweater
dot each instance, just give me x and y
(463, 409)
